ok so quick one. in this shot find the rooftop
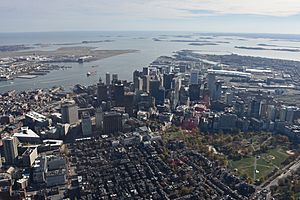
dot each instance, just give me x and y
(36, 116)
(26, 132)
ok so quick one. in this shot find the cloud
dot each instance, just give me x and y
(141, 14)
(158, 8)
(223, 7)
(191, 8)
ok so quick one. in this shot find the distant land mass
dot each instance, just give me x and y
(203, 44)
(71, 51)
(274, 45)
(84, 42)
(7, 48)
(267, 49)
(236, 60)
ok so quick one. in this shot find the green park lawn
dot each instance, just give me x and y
(265, 163)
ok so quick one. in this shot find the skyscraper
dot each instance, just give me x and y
(154, 88)
(69, 112)
(112, 122)
(161, 96)
(167, 82)
(194, 92)
(218, 91)
(146, 80)
(176, 85)
(119, 94)
(107, 78)
(145, 71)
(10, 146)
(271, 111)
(254, 108)
(282, 113)
(101, 92)
(229, 98)
(129, 103)
(86, 124)
(194, 77)
(114, 78)
(137, 80)
(290, 114)
(211, 84)
(99, 119)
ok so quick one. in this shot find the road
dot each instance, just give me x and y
(286, 171)
(254, 173)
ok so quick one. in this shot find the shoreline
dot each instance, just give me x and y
(70, 52)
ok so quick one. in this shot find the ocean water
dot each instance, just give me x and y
(149, 50)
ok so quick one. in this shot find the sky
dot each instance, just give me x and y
(243, 16)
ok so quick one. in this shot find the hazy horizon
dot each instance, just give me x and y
(224, 16)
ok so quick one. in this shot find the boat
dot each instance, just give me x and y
(5, 77)
(91, 73)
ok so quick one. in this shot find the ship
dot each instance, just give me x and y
(91, 73)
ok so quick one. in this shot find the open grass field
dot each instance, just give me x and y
(265, 163)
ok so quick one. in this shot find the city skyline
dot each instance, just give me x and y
(132, 15)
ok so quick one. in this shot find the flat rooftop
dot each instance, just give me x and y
(36, 116)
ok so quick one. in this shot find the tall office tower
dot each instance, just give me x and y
(143, 101)
(229, 98)
(167, 83)
(254, 108)
(239, 107)
(161, 96)
(145, 71)
(154, 88)
(10, 146)
(271, 111)
(146, 80)
(119, 94)
(194, 92)
(99, 119)
(136, 74)
(184, 96)
(137, 80)
(160, 77)
(176, 85)
(218, 91)
(282, 113)
(139, 84)
(129, 103)
(263, 109)
(194, 80)
(211, 84)
(114, 78)
(86, 124)
(102, 92)
(112, 122)
(290, 114)
(107, 78)
(69, 112)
